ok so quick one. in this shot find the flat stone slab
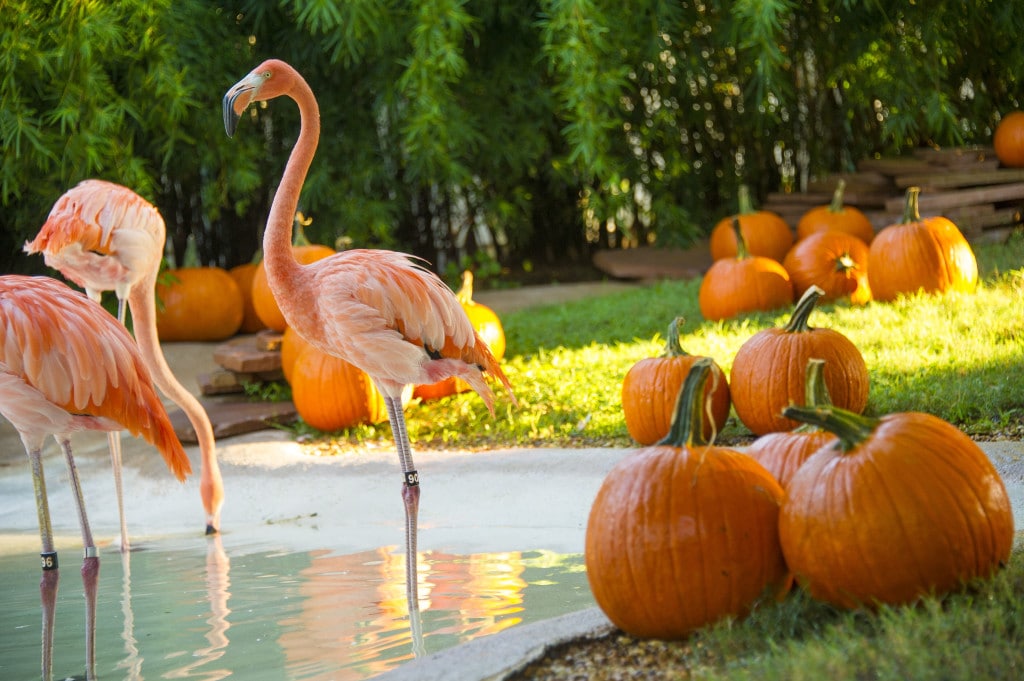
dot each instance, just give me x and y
(649, 263)
(234, 418)
(244, 355)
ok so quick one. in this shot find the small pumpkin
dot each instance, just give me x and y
(836, 262)
(292, 345)
(243, 275)
(744, 283)
(683, 534)
(899, 507)
(331, 394)
(768, 371)
(836, 217)
(766, 233)
(782, 453)
(263, 299)
(199, 304)
(651, 387)
(920, 254)
(488, 327)
(1008, 140)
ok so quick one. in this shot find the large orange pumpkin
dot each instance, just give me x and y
(331, 394)
(899, 507)
(920, 254)
(243, 275)
(488, 327)
(835, 217)
(836, 262)
(292, 345)
(651, 388)
(200, 304)
(262, 298)
(766, 233)
(1008, 140)
(769, 370)
(744, 283)
(684, 534)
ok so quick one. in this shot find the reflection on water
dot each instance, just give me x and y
(191, 609)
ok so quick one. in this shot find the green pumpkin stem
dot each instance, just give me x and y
(802, 311)
(743, 200)
(912, 207)
(815, 390)
(837, 197)
(741, 243)
(672, 346)
(687, 428)
(851, 429)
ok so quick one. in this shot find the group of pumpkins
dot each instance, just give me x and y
(858, 511)
(760, 266)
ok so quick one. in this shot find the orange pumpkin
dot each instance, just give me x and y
(744, 283)
(900, 507)
(651, 387)
(920, 254)
(487, 325)
(835, 217)
(292, 345)
(766, 233)
(836, 262)
(243, 275)
(768, 371)
(683, 534)
(1008, 140)
(200, 304)
(331, 394)
(262, 298)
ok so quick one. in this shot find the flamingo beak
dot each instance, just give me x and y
(238, 98)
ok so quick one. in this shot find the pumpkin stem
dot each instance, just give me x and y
(687, 428)
(837, 197)
(802, 311)
(673, 348)
(191, 255)
(743, 200)
(465, 294)
(300, 238)
(845, 263)
(741, 243)
(912, 208)
(851, 429)
(815, 390)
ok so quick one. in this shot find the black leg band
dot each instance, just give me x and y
(48, 560)
(412, 479)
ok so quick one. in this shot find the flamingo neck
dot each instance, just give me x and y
(281, 266)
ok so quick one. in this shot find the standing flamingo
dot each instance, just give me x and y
(105, 237)
(387, 315)
(68, 366)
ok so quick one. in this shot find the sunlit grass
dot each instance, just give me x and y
(960, 357)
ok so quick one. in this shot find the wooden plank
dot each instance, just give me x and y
(897, 166)
(999, 218)
(963, 197)
(961, 178)
(957, 156)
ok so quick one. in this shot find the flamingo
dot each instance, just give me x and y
(105, 237)
(68, 366)
(380, 310)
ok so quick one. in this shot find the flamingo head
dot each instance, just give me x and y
(270, 79)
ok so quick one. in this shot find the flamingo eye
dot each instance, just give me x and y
(268, 74)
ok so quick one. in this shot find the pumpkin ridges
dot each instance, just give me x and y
(836, 217)
(835, 261)
(1008, 140)
(203, 304)
(765, 232)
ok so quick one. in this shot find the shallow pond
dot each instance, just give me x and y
(198, 608)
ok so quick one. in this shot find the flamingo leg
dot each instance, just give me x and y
(411, 500)
(114, 444)
(90, 565)
(48, 556)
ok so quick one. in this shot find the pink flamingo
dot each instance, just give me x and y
(387, 315)
(68, 366)
(105, 237)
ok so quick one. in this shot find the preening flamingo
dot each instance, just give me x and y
(105, 237)
(377, 309)
(68, 366)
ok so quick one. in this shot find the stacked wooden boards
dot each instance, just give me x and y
(965, 184)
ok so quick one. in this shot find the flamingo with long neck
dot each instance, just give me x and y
(376, 309)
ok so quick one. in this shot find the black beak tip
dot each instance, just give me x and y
(230, 117)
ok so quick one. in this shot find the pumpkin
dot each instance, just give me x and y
(768, 371)
(199, 304)
(683, 534)
(782, 453)
(263, 299)
(1008, 140)
(243, 275)
(487, 325)
(292, 345)
(920, 254)
(899, 507)
(835, 217)
(331, 394)
(836, 262)
(744, 283)
(766, 233)
(651, 386)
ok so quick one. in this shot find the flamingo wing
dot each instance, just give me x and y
(76, 356)
(102, 236)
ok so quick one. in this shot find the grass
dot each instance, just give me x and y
(960, 357)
